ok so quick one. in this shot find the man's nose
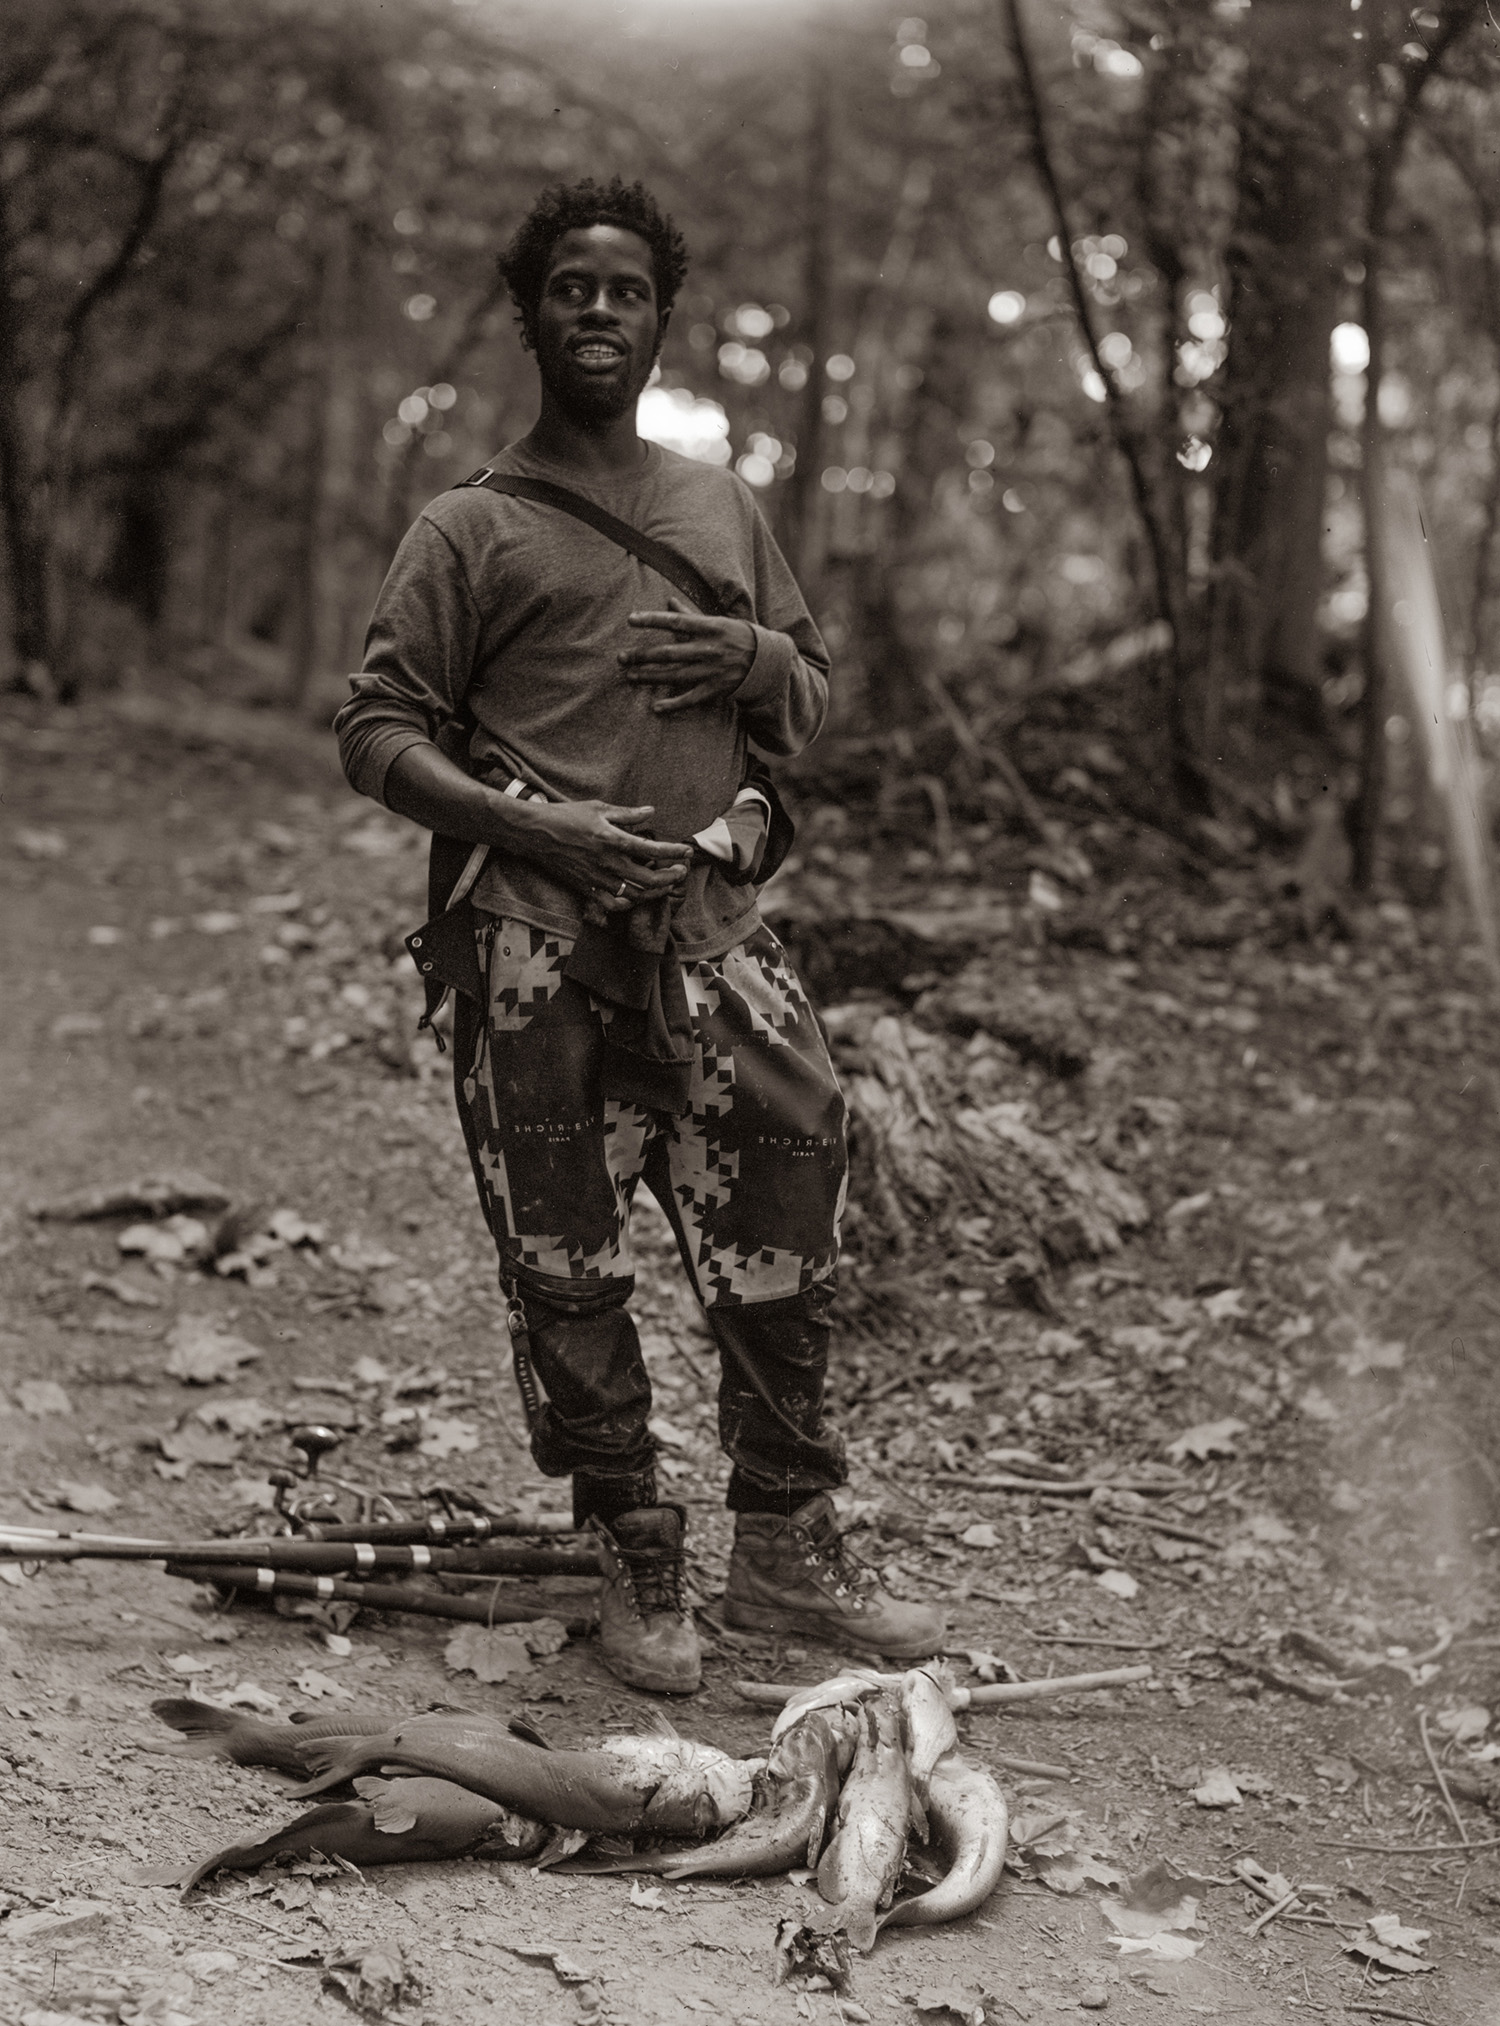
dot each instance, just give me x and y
(601, 308)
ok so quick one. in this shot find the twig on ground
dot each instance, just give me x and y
(1414, 1849)
(1037, 1768)
(1289, 1684)
(776, 1694)
(1438, 1775)
(1053, 1487)
(1265, 1919)
(1158, 1526)
(1386, 2012)
(1078, 1639)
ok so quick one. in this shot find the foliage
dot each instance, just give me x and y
(1024, 355)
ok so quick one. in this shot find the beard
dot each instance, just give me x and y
(591, 400)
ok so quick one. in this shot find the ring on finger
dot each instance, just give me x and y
(622, 889)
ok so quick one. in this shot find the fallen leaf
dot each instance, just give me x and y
(1388, 1959)
(957, 1394)
(216, 922)
(190, 1663)
(240, 1417)
(193, 1443)
(544, 1635)
(1389, 1932)
(1156, 1901)
(1228, 1302)
(199, 1352)
(981, 1535)
(487, 1652)
(84, 1498)
(1218, 1790)
(1072, 1874)
(42, 1397)
(311, 1682)
(1119, 1583)
(1176, 1948)
(371, 1979)
(370, 1372)
(250, 1695)
(1317, 1406)
(1464, 1725)
(1207, 1438)
(445, 1437)
(648, 1896)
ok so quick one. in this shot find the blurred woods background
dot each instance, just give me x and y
(1043, 329)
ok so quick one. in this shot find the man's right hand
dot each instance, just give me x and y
(590, 847)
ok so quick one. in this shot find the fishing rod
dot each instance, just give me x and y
(266, 1582)
(313, 1557)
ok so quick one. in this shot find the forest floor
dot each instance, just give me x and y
(204, 972)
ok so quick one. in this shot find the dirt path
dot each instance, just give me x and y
(205, 974)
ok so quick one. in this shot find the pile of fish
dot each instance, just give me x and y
(864, 1784)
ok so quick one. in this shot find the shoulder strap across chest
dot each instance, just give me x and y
(682, 575)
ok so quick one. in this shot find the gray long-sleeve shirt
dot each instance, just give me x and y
(517, 613)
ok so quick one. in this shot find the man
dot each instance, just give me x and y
(621, 715)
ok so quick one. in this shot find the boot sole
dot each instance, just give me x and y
(769, 1618)
(653, 1684)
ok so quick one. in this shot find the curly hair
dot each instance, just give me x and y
(566, 207)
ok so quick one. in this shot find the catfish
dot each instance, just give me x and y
(970, 1828)
(859, 1869)
(392, 1822)
(213, 1733)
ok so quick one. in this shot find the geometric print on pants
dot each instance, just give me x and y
(752, 1174)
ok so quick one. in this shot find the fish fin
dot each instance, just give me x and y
(368, 1787)
(391, 1816)
(333, 1762)
(523, 1728)
(659, 1725)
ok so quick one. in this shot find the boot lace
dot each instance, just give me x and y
(848, 1575)
(656, 1580)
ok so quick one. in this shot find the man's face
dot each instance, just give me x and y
(596, 325)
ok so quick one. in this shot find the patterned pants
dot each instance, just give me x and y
(751, 1175)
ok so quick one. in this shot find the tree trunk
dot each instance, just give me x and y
(21, 507)
(809, 521)
(1285, 261)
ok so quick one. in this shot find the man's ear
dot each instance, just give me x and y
(661, 334)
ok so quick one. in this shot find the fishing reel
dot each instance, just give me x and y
(302, 1496)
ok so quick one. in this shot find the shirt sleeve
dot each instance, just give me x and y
(784, 698)
(419, 659)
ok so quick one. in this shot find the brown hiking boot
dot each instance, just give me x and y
(645, 1628)
(797, 1575)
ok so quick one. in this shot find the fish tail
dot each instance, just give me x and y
(297, 1835)
(210, 1732)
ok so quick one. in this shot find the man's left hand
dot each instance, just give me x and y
(703, 658)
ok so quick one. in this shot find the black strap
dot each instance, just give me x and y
(678, 571)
